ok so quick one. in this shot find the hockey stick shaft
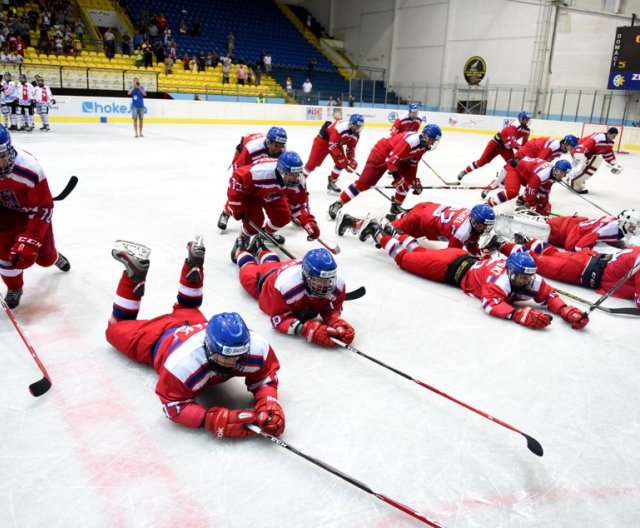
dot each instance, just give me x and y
(38, 388)
(564, 184)
(437, 174)
(343, 476)
(623, 311)
(533, 445)
(71, 185)
(613, 288)
(334, 248)
(459, 187)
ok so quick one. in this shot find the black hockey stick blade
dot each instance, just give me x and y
(533, 445)
(39, 387)
(71, 185)
(355, 294)
(624, 311)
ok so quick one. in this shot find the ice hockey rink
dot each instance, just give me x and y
(96, 450)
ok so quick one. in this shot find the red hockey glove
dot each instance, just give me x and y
(237, 209)
(227, 423)
(572, 315)
(345, 332)
(543, 209)
(312, 229)
(417, 186)
(270, 416)
(340, 161)
(316, 332)
(531, 318)
(24, 252)
(352, 164)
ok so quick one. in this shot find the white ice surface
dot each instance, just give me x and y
(96, 450)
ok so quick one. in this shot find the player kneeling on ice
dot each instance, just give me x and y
(295, 292)
(26, 210)
(498, 283)
(190, 353)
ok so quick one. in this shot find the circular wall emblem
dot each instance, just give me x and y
(392, 116)
(474, 70)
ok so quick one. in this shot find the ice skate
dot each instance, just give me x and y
(62, 263)
(241, 244)
(135, 258)
(45, 127)
(195, 260)
(256, 246)
(332, 186)
(223, 220)
(370, 228)
(279, 239)
(461, 175)
(12, 298)
(333, 210)
(394, 211)
(491, 244)
(345, 222)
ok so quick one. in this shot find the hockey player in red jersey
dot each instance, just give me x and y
(399, 155)
(253, 147)
(270, 191)
(545, 148)
(339, 140)
(190, 353)
(575, 233)
(408, 121)
(588, 268)
(294, 293)
(504, 144)
(588, 156)
(26, 209)
(538, 176)
(460, 227)
(497, 283)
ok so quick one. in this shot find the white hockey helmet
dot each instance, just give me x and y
(629, 220)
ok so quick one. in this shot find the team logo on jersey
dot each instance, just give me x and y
(474, 70)
(618, 80)
(8, 200)
(392, 116)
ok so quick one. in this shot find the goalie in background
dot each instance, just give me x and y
(44, 100)
(588, 156)
(190, 353)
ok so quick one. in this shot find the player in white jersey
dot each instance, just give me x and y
(9, 103)
(25, 104)
(44, 99)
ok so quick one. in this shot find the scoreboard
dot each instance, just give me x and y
(625, 61)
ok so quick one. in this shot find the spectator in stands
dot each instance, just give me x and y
(147, 53)
(202, 61)
(45, 44)
(249, 75)
(288, 86)
(331, 101)
(173, 50)
(167, 36)
(352, 101)
(168, 65)
(152, 31)
(126, 43)
(109, 43)
(185, 61)
(59, 45)
(307, 87)
(214, 58)
(138, 38)
(260, 98)
(139, 56)
(195, 28)
(267, 62)
(5, 57)
(231, 42)
(33, 18)
(258, 71)
(339, 101)
(311, 67)
(241, 74)
(69, 46)
(159, 53)
(226, 68)
(193, 64)
(183, 27)
(162, 22)
(18, 46)
(79, 29)
(24, 32)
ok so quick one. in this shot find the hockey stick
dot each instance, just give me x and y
(581, 196)
(71, 185)
(623, 311)
(532, 444)
(343, 476)
(435, 172)
(37, 388)
(459, 187)
(334, 248)
(349, 296)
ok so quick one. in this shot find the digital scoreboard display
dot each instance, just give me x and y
(625, 61)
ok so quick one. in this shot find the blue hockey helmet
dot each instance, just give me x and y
(7, 153)
(356, 121)
(570, 140)
(226, 340)
(560, 169)
(431, 135)
(319, 271)
(413, 110)
(521, 270)
(277, 135)
(290, 168)
(482, 215)
(524, 115)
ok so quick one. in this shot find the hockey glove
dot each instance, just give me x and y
(270, 416)
(531, 318)
(572, 315)
(543, 209)
(316, 332)
(616, 169)
(340, 161)
(345, 332)
(417, 186)
(228, 423)
(24, 252)
(237, 209)
(312, 229)
(352, 164)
